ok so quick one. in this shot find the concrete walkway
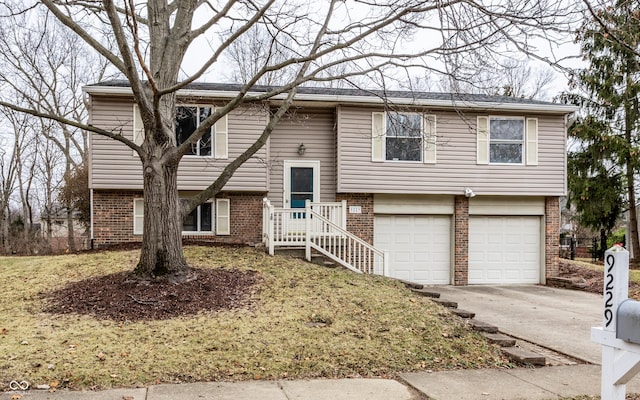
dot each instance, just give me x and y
(511, 384)
(323, 389)
(487, 384)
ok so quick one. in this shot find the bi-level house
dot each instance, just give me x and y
(430, 187)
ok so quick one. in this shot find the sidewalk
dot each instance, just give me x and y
(487, 384)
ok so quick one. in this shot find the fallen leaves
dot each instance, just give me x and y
(360, 325)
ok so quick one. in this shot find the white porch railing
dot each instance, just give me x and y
(321, 226)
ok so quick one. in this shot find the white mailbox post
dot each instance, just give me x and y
(620, 358)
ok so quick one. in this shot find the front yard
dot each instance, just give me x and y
(298, 321)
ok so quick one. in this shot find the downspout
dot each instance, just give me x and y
(91, 218)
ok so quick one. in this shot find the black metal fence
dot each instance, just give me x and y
(581, 247)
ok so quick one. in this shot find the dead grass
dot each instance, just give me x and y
(634, 274)
(305, 321)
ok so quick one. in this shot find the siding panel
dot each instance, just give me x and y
(113, 165)
(314, 128)
(456, 166)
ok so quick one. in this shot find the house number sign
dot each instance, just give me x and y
(620, 358)
(609, 285)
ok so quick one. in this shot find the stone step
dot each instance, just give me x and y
(323, 261)
(483, 326)
(427, 293)
(523, 356)
(500, 339)
(463, 313)
(446, 303)
(412, 285)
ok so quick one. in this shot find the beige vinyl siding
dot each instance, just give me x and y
(113, 166)
(456, 166)
(314, 128)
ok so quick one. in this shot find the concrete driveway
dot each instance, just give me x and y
(558, 319)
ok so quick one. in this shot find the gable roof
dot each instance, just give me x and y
(357, 96)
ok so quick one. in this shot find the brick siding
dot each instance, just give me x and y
(360, 225)
(113, 219)
(552, 236)
(461, 244)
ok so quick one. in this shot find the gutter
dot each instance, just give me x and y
(550, 108)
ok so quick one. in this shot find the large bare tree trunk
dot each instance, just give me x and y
(162, 248)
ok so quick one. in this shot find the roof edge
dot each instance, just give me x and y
(540, 107)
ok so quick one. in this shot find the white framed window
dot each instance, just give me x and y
(188, 118)
(200, 220)
(213, 143)
(507, 140)
(400, 136)
(403, 137)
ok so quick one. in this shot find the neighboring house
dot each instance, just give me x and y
(457, 189)
(59, 231)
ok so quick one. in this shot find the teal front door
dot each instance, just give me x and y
(301, 186)
(301, 183)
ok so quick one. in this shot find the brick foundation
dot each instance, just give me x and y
(551, 236)
(113, 219)
(360, 225)
(461, 241)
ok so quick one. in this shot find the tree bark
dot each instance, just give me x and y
(162, 254)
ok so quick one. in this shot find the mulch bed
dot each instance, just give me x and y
(582, 278)
(121, 297)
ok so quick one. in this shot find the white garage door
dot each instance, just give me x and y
(419, 246)
(504, 250)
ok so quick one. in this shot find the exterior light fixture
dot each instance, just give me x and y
(468, 192)
(301, 149)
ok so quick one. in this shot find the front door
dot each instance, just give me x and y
(301, 183)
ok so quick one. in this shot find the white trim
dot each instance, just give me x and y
(378, 136)
(550, 108)
(430, 138)
(482, 140)
(199, 230)
(220, 217)
(315, 164)
(220, 139)
(531, 148)
(521, 141)
(198, 106)
(138, 226)
(138, 219)
(91, 213)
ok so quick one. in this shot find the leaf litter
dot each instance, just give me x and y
(274, 317)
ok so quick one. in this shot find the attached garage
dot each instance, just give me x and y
(419, 246)
(506, 240)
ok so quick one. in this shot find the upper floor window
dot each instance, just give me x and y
(214, 142)
(188, 118)
(398, 136)
(506, 140)
(404, 137)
